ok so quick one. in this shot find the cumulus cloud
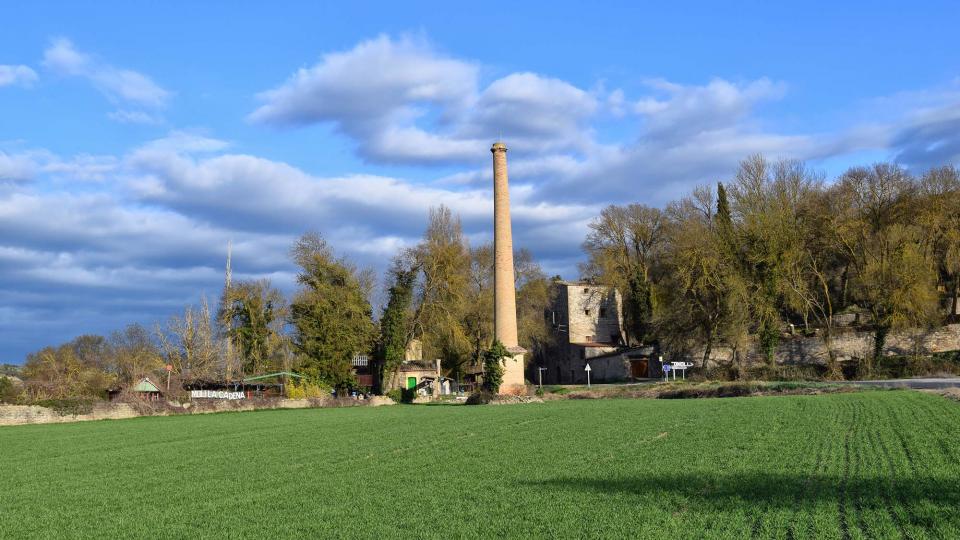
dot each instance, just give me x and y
(401, 101)
(117, 84)
(931, 140)
(16, 168)
(376, 79)
(17, 75)
(686, 110)
(404, 102)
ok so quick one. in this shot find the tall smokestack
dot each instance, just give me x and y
(504, 288)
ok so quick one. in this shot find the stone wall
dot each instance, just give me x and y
(13, 415)
(847, 345)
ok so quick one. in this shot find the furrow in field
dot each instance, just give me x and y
(803, 497)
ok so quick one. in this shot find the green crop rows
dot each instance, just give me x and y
(881, 464)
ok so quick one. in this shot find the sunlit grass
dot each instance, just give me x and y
(874, 464)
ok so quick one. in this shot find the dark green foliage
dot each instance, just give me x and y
(493, 366)
(252, 312)
(480, 397)
(402, 395)
(9, 393)
(769, 337)
(724, 225)
(395, 323)
(898, 367)
(866, 465)
(68, 406)
(331, 315)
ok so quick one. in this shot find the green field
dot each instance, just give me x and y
(880, 464)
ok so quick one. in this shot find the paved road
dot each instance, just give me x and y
(919, 383)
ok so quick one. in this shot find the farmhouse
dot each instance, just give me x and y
(418, 374)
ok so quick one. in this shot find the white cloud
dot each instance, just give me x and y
(119, 85)
(685, 111)
(82, 167)
(16, 168)
(403, 102)
(21, 75)
(134, 117)
(179, 141)
(375, 80)
(536, 113)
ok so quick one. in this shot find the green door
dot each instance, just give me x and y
(411, 383)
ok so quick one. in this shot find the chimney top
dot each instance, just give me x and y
(498, 146)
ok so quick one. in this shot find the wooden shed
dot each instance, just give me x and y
(146, 390)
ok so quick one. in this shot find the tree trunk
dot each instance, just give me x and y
(833, 371)
(845, 279)
(952, 317)
(707, 349)
(879, 340)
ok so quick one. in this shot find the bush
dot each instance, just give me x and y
(481, 397)
(723, 390)
(9, 392)
(493, 366)
(295, 391)
(402, 395)
(307, 390)
(68, 406)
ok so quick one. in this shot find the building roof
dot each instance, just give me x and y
(418, 365)
(580, 284)
(273, 375)
(145, 385)
(594, 344)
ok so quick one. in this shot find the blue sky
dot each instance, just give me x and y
(137, 138)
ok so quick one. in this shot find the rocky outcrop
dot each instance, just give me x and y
(847, 345)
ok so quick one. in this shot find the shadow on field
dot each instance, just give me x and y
(770, 488)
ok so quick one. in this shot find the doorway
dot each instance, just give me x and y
(638, 368)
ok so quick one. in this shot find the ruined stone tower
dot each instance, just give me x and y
(504, 287)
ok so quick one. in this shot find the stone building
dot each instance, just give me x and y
(587, 322)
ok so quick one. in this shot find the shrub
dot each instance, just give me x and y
(9, 392)
(493, 366)
(307, 390)
(68, 406)
(402, 395)
(295, 391)
(481, 397)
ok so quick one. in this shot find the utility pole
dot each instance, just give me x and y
(228, 280)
